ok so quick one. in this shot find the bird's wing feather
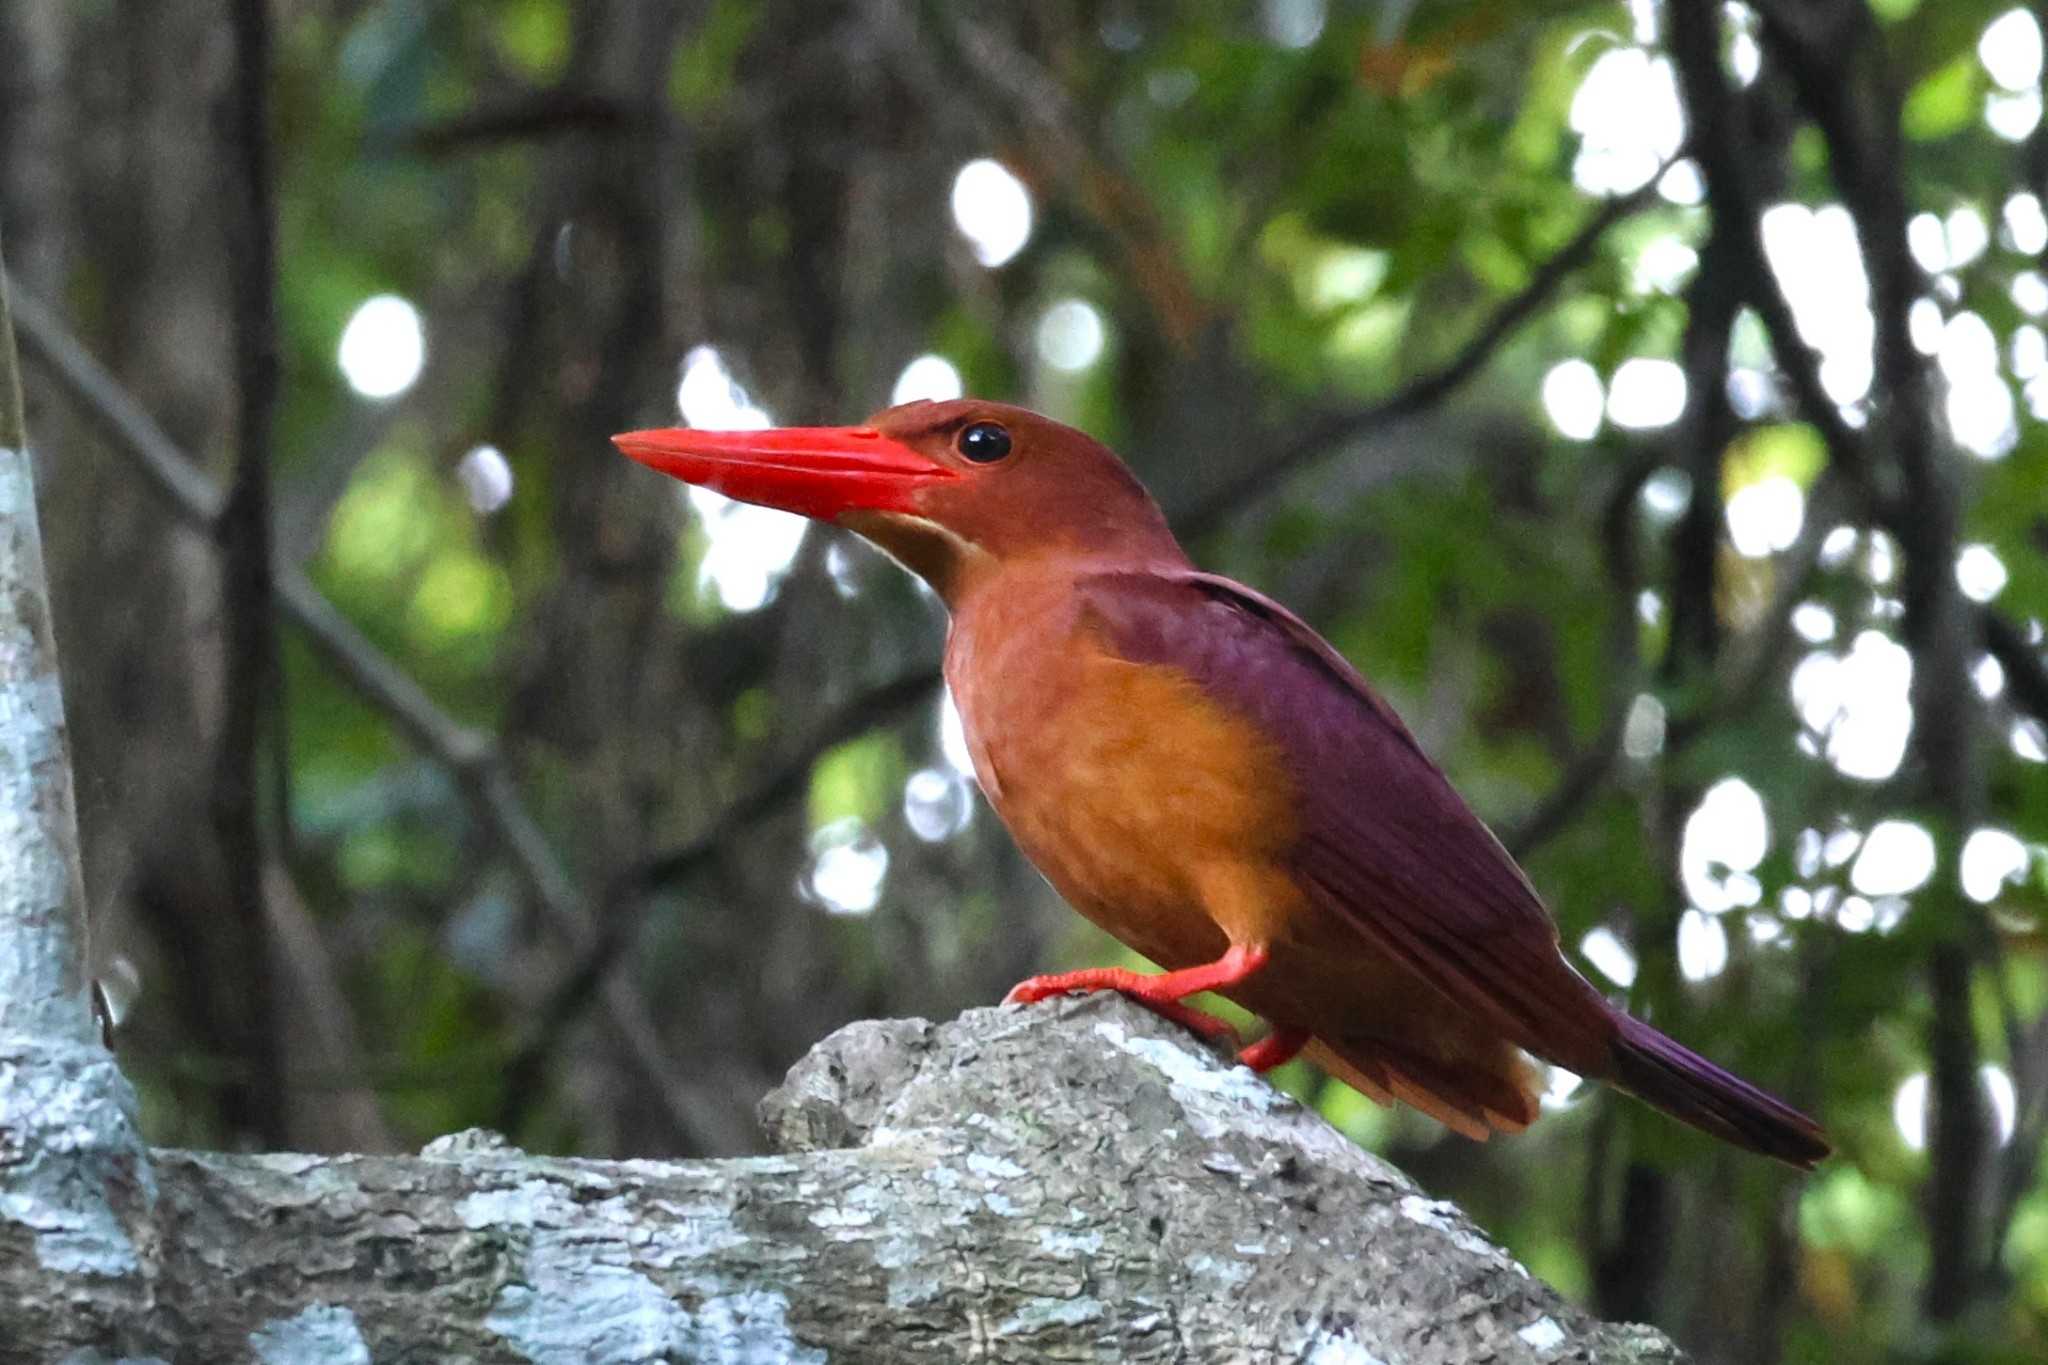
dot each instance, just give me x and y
(1384, 842)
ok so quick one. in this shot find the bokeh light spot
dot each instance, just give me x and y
(992, 209)
(383, 347)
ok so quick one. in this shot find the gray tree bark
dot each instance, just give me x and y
(1076, 1181)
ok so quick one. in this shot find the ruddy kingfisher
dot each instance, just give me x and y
(1199, 772)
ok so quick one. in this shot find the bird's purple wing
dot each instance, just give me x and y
(1384, 842)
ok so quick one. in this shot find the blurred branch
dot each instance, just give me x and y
(1319, 437)
(627, 897)
(1751, 671)
(316, 1021)
(178, 478)
(470, 755)
(877, 706)
(304, 509)
(2026, 672)
(525, 117)
(1587, 774)
(2028, 1060)
(1705, 429)
(250, 676)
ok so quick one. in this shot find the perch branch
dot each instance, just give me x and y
(1070, 1182)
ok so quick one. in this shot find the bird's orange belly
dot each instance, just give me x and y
(1168, 820)
(1137, 796)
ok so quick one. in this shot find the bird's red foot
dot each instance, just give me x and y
(1161, 994)
(1134, 987)
(1275, 1049)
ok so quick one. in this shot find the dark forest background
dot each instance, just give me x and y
(1648, 396)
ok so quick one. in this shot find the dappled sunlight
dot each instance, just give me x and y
(1897, 857)
(2013, 117)
(1993, 859)
(1702, 946)
(1909, 1111)
(937, 803)
(992, 209)
(1856, 705)
(1910, 1106)
(1813, 623)
(2029, 352)
(1965, 234)
(953, 736)
(1980, 407)
(849, 865)
(383, 347)
(1628, 119)
(2010, 50)
(1643, 731)
(750, 548)
(486, 479)
(1726, 837)
(1070, 335)
(2029, 292)
(1560, 1087)
(2029, 740)
(1666, 495)
(1765, 517)
(1645, 394)
(1574, 399)
(1980, 573)
(1988, 676)
(1752, 393)
(2025, 229)
(1293, 23)
(931, 377)
(1664, 265)
(1819, 264)
(1610, 956)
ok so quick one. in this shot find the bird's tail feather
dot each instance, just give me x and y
(1693, 1090)
(1475, 1097)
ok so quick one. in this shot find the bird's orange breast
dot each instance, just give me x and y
(1131, 790)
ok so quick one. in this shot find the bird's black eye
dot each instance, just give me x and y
(984, 442)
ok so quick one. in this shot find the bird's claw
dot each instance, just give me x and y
(1031, 992)
(1131, 986)
(1275, 1049)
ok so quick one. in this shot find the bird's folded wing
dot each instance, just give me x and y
(1385, 843)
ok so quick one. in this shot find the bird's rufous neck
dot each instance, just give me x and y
(1055, 570)
(961, 569)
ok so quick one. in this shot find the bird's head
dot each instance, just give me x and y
(952, 489)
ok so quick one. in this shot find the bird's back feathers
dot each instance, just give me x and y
(1386, 847)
